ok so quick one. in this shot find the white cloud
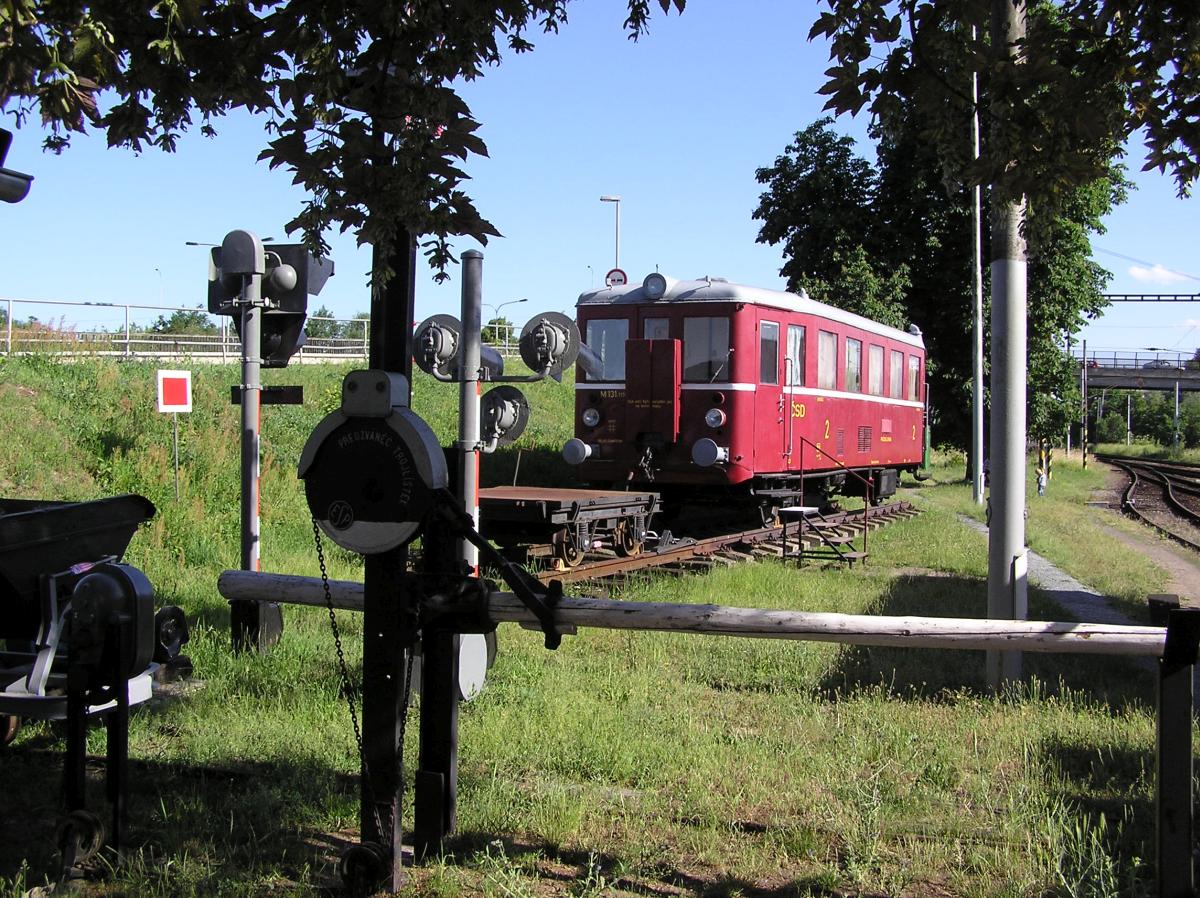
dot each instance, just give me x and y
(1156, 275)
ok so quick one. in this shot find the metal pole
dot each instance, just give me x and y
(469, 402)
(1083, 428)
(617, 247)
(1068, 421)
(1175, 436)
(977, 446)
(256, 625)
(127, 332)
(251, 396)
(175, 428)
(8, 336)
(1128, 418)
(1007, 585)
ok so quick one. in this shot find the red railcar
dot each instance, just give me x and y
(716, 390)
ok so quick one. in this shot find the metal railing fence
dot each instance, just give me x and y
(331, 340)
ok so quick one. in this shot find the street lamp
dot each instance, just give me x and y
(496, 319)
(496, 309)
(616, 201)
(161, 289)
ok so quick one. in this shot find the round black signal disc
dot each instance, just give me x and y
(369, 481)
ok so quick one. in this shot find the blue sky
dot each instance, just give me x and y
(675, 124)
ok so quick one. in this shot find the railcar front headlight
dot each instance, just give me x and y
(590, 417)
(715, 418)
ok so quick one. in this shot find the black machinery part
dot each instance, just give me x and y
(40, 537)
(362, 868)
(112, 593)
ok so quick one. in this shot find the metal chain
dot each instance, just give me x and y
(347, 686)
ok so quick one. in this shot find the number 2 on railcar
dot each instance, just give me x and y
(709, 391)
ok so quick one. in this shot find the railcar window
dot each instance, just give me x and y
(606, 337)
(768, 352)
(656, 328)
(853, 365)
(896, 374)
(875, 370)
(705, 349)
(795, 355)
(914, 376)
(826, 360)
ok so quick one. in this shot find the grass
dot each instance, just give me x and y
(1150, 450)
(623, 763)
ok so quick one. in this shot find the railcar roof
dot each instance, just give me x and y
(713, 289)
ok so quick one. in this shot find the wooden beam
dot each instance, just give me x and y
(723, 620)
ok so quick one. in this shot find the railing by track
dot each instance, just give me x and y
(330, 340)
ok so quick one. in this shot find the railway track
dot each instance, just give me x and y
(730, 548)
(1163, 495)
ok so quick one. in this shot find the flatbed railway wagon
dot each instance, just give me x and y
(562, 525)
(712, 391)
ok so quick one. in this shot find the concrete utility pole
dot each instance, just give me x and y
(1007, 559)
(977, 451)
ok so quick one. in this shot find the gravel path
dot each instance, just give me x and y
(1082, 602)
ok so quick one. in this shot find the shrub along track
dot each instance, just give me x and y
(689, 554)
(1164, 495)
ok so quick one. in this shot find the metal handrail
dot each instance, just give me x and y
(867, 482)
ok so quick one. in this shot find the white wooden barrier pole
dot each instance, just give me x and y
(723, 620)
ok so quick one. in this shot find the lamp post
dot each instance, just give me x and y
(496, 315)
(616, 201)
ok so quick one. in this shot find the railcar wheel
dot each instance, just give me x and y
(80, 838)
(362, 868)
(10, 725)
(626, 544)
(568, 553)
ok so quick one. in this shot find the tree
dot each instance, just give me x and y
(1088, 77)
(360, 98)
(498, 331)
(891, 242)
(325, 329)
(189, 322)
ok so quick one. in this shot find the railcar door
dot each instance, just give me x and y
(770, 422)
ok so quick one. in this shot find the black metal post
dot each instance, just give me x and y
(1173, 763)
(436, 796)
(117, 726)
(389, 613)
(435, 809)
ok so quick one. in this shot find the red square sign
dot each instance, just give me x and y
(174, 391)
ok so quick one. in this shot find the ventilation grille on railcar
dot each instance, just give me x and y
(864, 439)
(841, 442)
